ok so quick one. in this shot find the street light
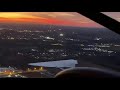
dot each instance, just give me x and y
(34, 68)
(28, 69)
(41, 68)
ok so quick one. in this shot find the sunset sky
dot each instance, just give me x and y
(114, 15)
(57, 18)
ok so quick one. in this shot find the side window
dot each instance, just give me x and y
(114, 15)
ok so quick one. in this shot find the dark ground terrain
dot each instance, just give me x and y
(23, 44)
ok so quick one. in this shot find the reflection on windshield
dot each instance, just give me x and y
(40, 44)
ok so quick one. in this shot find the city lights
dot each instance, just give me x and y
(24, 43)
(61, 34)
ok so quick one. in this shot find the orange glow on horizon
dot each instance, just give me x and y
(15, 15)
(46, 21)
(24, 18)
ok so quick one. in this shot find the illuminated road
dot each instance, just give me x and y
(18, 73)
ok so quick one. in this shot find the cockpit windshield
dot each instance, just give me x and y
(40, 44)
